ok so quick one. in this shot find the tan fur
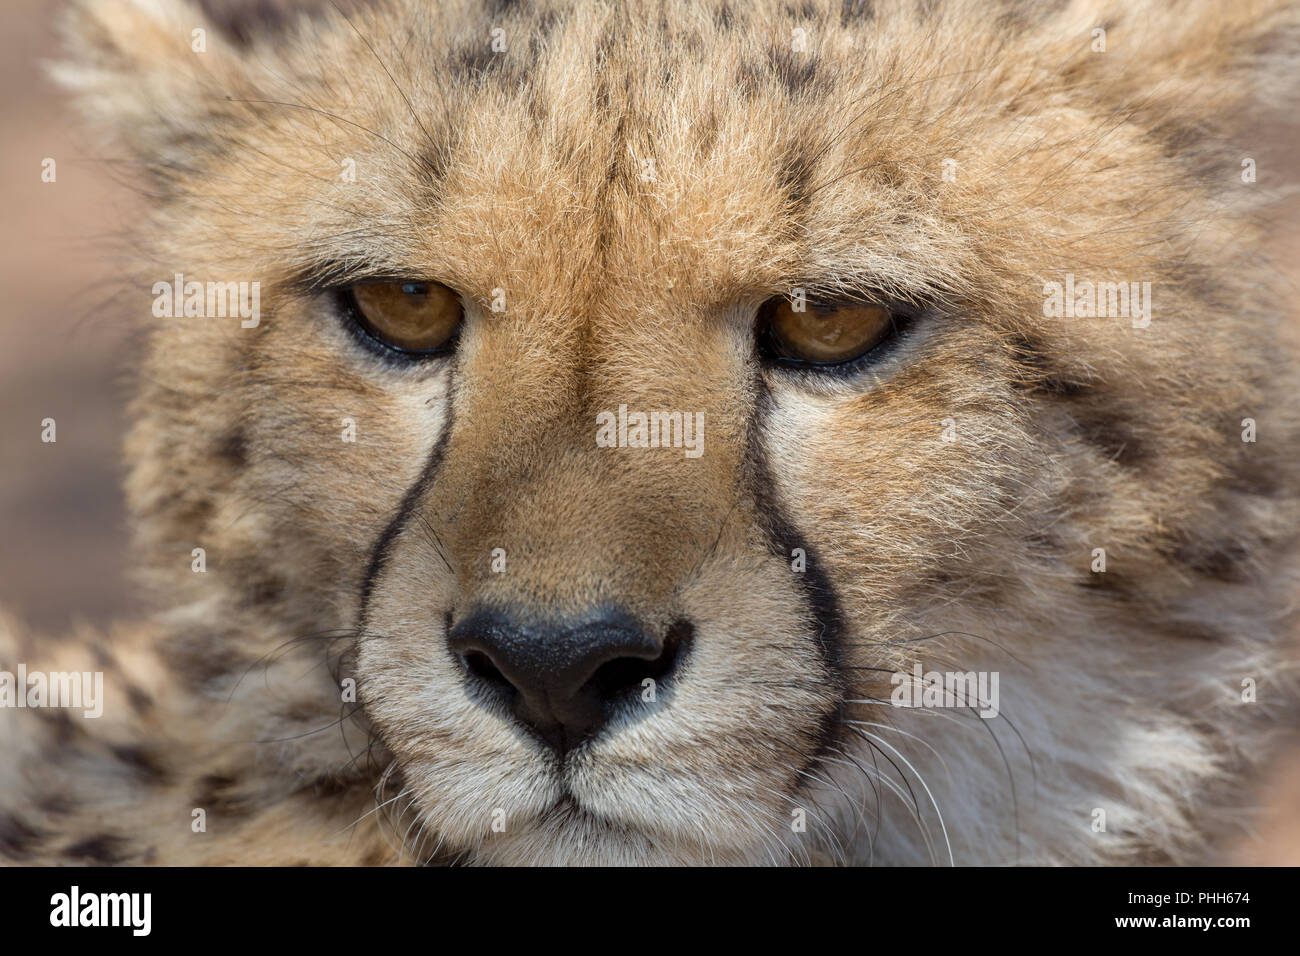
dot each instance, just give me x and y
(772, 169)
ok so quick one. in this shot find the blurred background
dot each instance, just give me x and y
(65, 350)
(63, 554)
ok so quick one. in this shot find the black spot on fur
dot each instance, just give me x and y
(619, 170)
(807, 10)
(56, 804)
(18, 839)
(201, 659)
(65, 729)
(243, 21)
(140, 701)
(1254, 468)
(264, 587)
(104, 848)
(1225, 561)
(748, 80)
(233, 449)
(1017, 18)
(705, 131)
(797, 72)
(331, 785)
(501, 8)
(1107, 584)
(471, 61)
(542, 29)
(1041, 374)
(216, 795)
(1112, 434)
(144, 765)
(1180, 139)
(300, 710)
(856, 11)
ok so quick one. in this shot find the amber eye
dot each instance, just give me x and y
(815, 333)
(408, 316)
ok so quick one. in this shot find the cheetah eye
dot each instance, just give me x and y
(409, 316)
(805, 332)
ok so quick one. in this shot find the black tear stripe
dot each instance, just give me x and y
(783, 536)
(381, 550)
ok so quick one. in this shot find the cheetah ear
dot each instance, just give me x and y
(155, 74)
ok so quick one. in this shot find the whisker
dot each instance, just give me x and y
(921, 780)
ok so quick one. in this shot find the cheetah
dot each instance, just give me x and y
(987, 555)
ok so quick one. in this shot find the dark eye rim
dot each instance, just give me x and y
(901, 316)
(369, 338)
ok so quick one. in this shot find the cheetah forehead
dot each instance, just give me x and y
(720, 150)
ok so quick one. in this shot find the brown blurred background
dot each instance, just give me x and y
(64, 346)
(63, 554)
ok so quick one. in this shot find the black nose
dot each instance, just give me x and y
(564, 678)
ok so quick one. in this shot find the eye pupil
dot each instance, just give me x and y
(415, 288)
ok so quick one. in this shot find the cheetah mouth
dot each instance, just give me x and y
(569, 809)
(572, 832)
(561, 815)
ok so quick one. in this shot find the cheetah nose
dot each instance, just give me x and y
(563, 679)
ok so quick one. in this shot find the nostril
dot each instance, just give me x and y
(481, 666)
(625, 675)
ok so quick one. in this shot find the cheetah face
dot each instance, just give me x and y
(632, 401)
